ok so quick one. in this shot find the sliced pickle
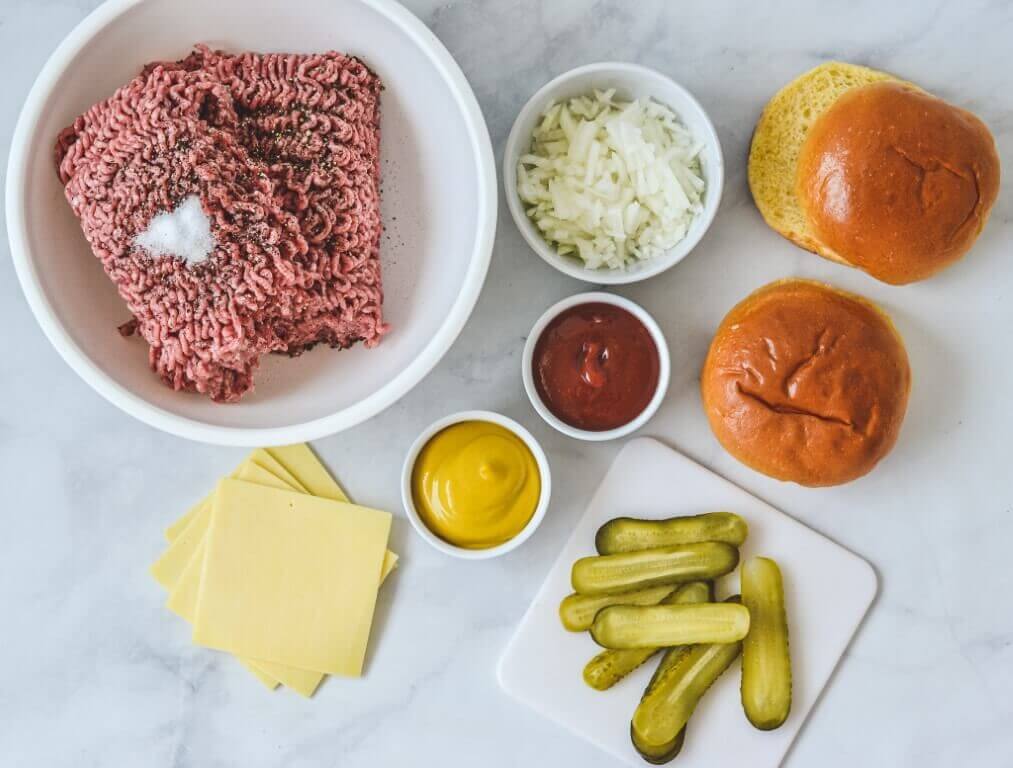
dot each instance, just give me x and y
(626, 571)
(668, 658)
(628, 534)
(766, 660)
(655, 754)
(610, 666)
(662, 626)
(577, 611)
(684, 676)
(660, 753)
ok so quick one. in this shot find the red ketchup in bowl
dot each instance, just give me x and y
(596, 366)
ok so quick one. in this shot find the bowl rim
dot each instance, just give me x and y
(664, 365)
(194, 429)
(541, 459)
(682, 249)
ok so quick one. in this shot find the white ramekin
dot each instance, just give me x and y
(664, 366)
(630, 81)
(409, 502)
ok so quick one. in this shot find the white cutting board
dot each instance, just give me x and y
(827, 589)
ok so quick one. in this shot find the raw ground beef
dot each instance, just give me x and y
(283, 153)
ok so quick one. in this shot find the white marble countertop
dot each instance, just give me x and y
(96, 673)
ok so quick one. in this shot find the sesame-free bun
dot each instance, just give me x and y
(873, 172)
(778, 138)
(807, 383)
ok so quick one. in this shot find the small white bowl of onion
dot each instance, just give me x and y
(613, 173)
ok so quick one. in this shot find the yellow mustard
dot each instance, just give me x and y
(476, 484)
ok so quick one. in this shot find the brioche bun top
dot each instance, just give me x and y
(897, 182)
(807, 383)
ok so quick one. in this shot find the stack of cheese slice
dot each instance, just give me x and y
(279, 569)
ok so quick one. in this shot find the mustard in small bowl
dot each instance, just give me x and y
(475, 484)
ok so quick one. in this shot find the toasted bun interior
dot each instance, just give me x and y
(870, 171)
(778, 139)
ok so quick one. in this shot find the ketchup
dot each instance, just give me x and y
(596, 366)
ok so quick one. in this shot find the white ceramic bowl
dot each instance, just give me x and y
(439, 211)
(631, 81)
(664, 366)
(409, 501)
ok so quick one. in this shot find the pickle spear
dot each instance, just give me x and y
(658, 754)
(628, 534)
(766, 661)
(664, 752)
(578, 611)
(662, 626)
(610, 666)
(671, 698)
(625, 571)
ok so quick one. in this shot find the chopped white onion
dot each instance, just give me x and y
(611, 182)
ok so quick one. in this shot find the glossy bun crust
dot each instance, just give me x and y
(897, 182)
(807, 383)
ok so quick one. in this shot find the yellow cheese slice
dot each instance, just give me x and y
(297, 465)
(303, 464)
(183, 598)
(187, 539)
(262, 458)
(260, 674)
(286, 578)
(185, 532)
(183, 594)
(173, 569)
(183, 602)
(168, 569)
(289, 467)
(170, 565)
(177, 526)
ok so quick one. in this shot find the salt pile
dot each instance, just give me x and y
(184, 233)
